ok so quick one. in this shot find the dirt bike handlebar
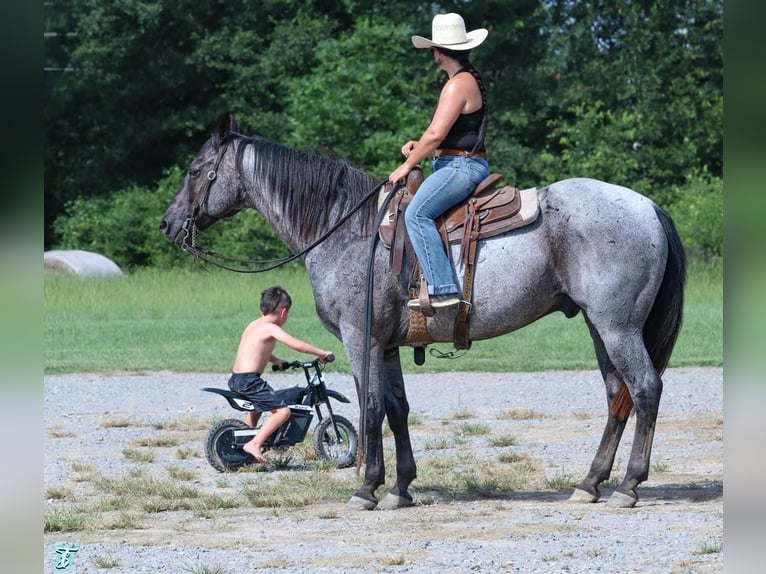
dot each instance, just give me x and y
(284, 365)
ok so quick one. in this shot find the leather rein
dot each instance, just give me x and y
(189, 241)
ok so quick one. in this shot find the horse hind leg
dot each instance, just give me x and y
(620, 405)
(628, 354)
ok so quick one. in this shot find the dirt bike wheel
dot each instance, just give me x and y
(220, 450)
(327, 446)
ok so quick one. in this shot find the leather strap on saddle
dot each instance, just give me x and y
(398, 238)
(488, 211)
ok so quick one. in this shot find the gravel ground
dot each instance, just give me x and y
(677, 525)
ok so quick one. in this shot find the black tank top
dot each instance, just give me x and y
(467, 133)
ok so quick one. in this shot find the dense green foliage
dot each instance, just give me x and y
(188, 320)
(627, 92)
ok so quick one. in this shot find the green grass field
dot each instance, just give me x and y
(191, 320)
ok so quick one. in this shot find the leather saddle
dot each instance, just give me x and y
(488, 211)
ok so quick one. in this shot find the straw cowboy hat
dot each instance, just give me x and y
(448, 31)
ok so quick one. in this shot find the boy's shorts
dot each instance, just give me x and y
(252, 386)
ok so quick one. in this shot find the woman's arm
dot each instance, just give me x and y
(452, 101)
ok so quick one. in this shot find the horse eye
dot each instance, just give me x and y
(194, 172)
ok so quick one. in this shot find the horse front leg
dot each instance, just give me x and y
(375, 470)
(397, 412)
(374, 465)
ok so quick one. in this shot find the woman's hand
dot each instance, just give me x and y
(402, 171)
(408, 147)
(399, 173)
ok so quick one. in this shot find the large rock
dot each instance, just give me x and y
(82, 263)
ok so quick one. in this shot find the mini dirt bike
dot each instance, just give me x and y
(335, 438)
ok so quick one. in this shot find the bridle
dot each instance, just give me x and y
(190, 224)
(189, 241)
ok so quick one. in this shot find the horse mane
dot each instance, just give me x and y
(309, 187)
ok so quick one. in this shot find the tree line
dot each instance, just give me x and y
(630, 92)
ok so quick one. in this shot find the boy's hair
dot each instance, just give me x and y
(275, 299)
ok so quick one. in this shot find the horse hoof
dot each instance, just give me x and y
(359, 503)
(394, 501)
(621, 500)
(580, 495)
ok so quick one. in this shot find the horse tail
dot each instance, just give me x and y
(664, 322)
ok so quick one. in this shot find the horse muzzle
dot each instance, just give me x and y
(175, 232)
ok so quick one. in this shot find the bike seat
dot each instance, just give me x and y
(237, 401)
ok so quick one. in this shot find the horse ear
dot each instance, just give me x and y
(226, 125)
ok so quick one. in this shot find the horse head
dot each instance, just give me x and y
(205, 195)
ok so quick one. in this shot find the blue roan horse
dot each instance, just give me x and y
(596, 248)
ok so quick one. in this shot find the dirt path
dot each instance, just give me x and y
(466, 428)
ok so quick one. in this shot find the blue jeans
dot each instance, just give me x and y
(454, 178)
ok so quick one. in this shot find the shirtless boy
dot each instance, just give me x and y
(256, 350)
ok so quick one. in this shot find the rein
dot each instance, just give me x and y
(214, 258)
(364, 386)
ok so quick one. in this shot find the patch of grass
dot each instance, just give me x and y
(64, 521)
(461, 415)
(83, 472)
(123, 521)
(119, 423)
(440, 443)
(82, 467)
(321, 465)
(463, 476)
(156, 441)
(58, 492)
(184, 424)
(185, 453)
(177, 473)
(503, 441)
(281, 460)
(472, 429)
(58, 433)
(142, 484)
(205, 570)
(519, 414)
(299, 489)
(440, 463)
(415, 419)
(218, 502)
(709, 548)
(139, 456)
(157, 505)
(511, 457)
(105, 562)
(560, 481)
